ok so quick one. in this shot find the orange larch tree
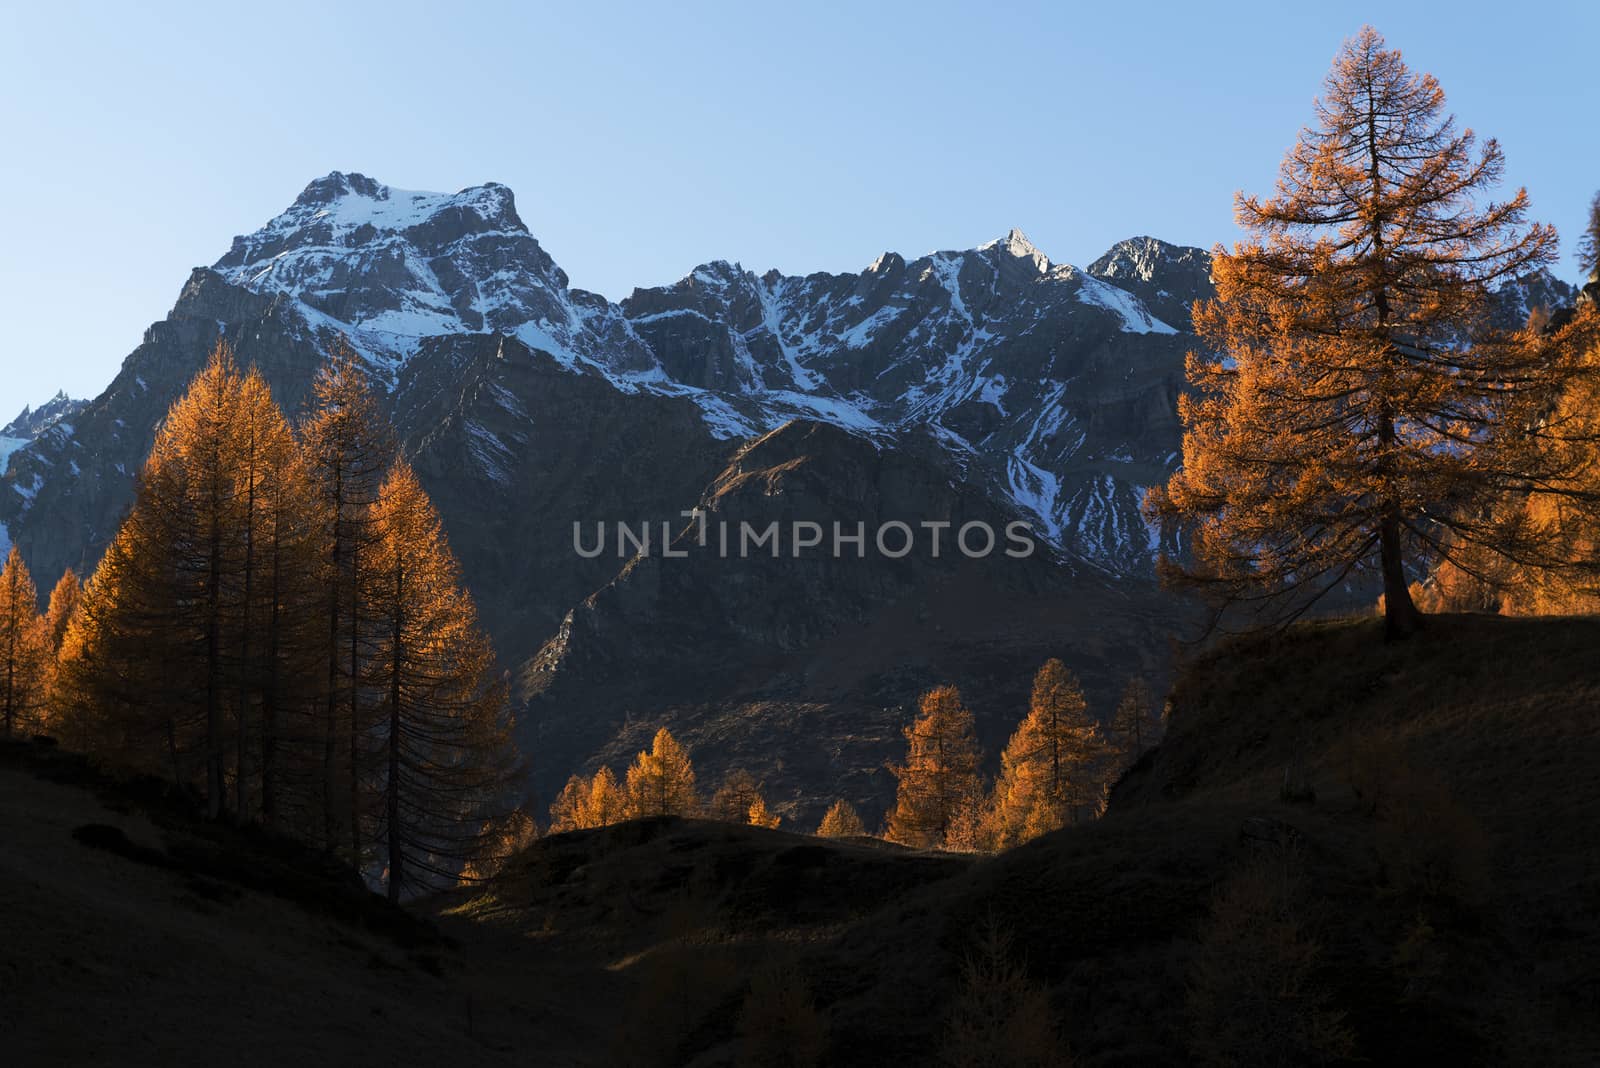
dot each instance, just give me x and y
(1357, 411)
(279, 531)
(1053, 764)
(25, 659)
(348, 449)
(732, 800)
(160, 662)
(444, 764)
(841, 821)
(941, 785)
(63, 600)
(584, 803)
(759, 815)
(661, 780)
(605, 802)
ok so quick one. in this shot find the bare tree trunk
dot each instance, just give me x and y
(1400, 616)
(11, 662)
(269, 682)
(330, 719)
(241, 741)
(396, 653)
(214, 799)
(355, 702)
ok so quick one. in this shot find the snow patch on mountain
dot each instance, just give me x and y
(1136, 318)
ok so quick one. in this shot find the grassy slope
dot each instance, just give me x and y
(634, 944)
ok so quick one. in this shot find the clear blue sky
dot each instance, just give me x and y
(641, 140)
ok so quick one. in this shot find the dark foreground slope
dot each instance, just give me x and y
(1399, 837)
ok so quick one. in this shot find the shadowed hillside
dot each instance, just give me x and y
(1343, 850)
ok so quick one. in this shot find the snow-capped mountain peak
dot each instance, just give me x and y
(984, 350)
(31, 421)
(1016, 245)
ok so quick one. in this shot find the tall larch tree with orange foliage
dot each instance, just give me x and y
(63, 602)
(1052, 766)
(123, 688)
(169, 661)
(199, 497)
(605, 802)
(348, 449)
(585, 803)
(841, 821)
(661, 780)
(1560, 523)
(444, 761)
(1356, 410)
(279, 643)
(165, 609)
(275, 587)
(940, 785)
(732, 800)
(25, 659)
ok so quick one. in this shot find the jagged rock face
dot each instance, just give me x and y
(1168, 278)
(388, 267)
(1041, 380)
(1519, 298)
(31, 421)
(30, 425)
(1047, 385)
(515, 448)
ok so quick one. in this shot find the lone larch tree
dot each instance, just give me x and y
(1357, 409)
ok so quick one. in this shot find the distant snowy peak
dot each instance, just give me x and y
(387, 267)
(1017, 246)
(32, 422)
(349, 211)
(1167, 278)
(1518, 298)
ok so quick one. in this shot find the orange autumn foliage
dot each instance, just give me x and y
(1052, 769)
(841, 821)
(25, 660)
(63, 601)
(938, 804)
(1356, 411)
(661, 780)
